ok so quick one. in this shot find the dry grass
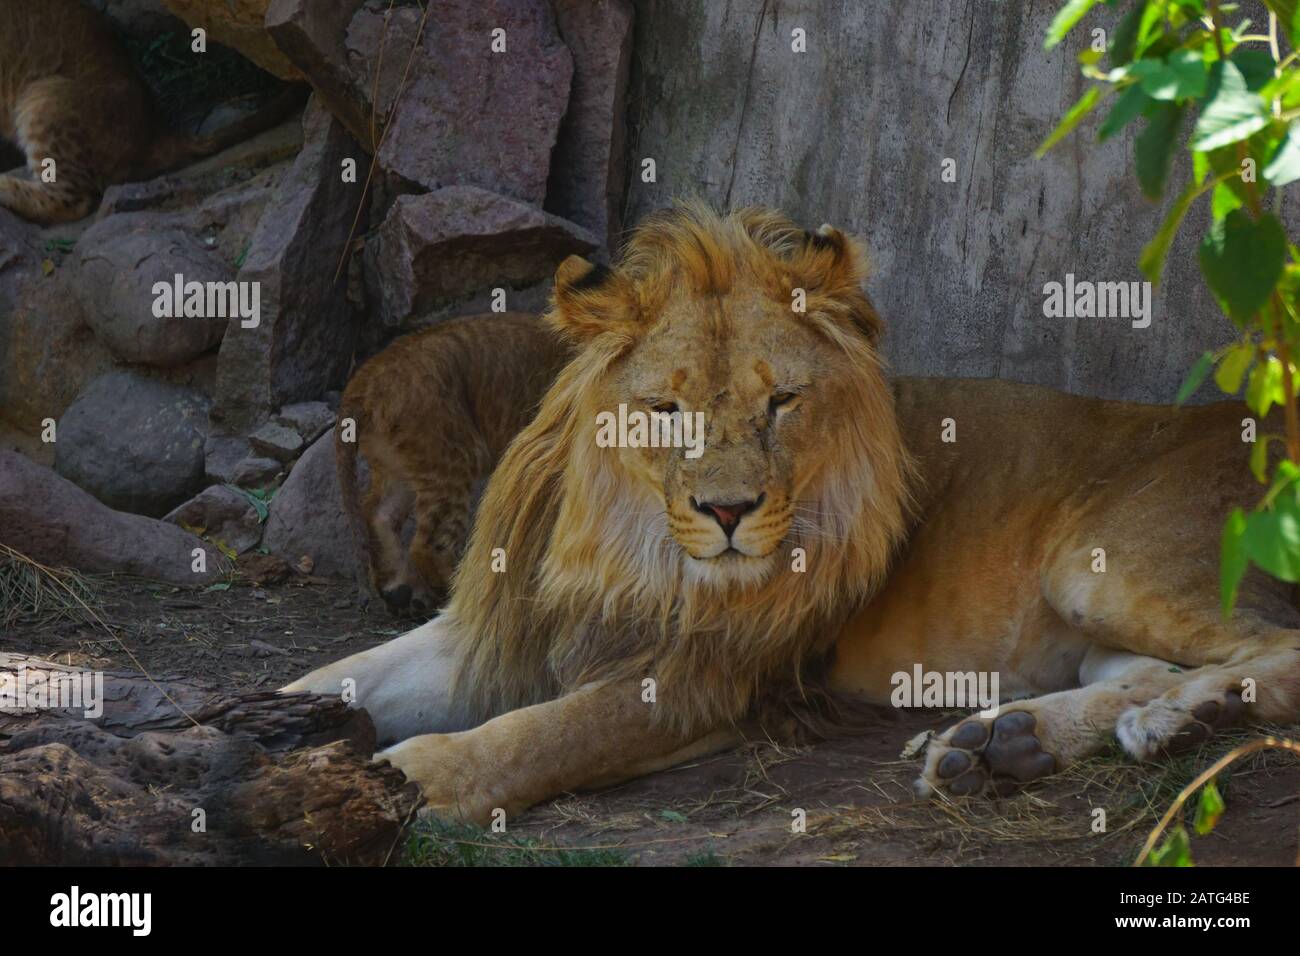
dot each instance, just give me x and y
(32, 593)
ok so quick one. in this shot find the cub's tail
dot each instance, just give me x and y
(173, 149)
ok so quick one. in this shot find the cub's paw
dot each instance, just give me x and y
(1172, 724)
(992, 755)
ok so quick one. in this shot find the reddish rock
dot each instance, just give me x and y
(303, 343)
(471, 116)
(72, 529)
(222, 515)
(446, 245)
(587, 167)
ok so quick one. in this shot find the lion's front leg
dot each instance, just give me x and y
(598, 735)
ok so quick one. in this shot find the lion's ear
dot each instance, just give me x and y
(833, 265)
(589, 299)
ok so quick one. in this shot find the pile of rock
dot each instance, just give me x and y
(180, 355)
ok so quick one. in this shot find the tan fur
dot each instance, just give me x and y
(68, 92)
(433, 413)
(974, 555)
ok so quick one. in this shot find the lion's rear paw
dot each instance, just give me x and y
(1167, 725)
(985, 755)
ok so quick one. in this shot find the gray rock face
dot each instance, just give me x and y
(303, 342)
(134, 443)
(309, 419)
(307, 516)
(119, 261)
(223, 515)
(72, 529)
(314, 36)
(854, 132)
(587, 167)
(273, 440)
(472, 116)
(442, 246)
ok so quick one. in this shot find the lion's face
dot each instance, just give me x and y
(760, 382)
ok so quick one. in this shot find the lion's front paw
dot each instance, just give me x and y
(438, 765)
(1168, 724)
(985, 754)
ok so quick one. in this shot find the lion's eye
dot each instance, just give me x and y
(665, 408)
(780, 400)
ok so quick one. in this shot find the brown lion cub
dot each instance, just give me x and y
(432, 414)
(69, 94)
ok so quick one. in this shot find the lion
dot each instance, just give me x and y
(623, 609)
(432, 414)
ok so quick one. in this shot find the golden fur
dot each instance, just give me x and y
(432, 414)
(68, 92)
(596, 590)
(628, 565)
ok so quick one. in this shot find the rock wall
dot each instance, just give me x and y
(855, 131)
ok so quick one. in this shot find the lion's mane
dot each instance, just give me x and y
(594, 587)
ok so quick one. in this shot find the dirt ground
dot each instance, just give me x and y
(736, 808)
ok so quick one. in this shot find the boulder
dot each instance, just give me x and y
(135, 443)
(469, 115)
(256, 472)
(277, 441)
(238, 24)
(309, 419)
(72, 529)
(307, 516)
(221, 514)
(587, 167)
(319, 40)
(48, 353)
(446, 245)
(302, 344)
(120, 260)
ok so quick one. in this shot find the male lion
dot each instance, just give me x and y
(619, 610)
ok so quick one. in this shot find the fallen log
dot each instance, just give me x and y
(178, 773)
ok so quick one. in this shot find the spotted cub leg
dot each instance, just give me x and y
(62, 187)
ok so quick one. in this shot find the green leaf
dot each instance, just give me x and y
(1232, 559)
(1179, 76)
(1264, 390)
(1175, 851)
(1272, 541)
(1130, 103)
(1195, 377)
(258, 503)
(1242, 260)
(1287, 12)
(1155, 148)
(1126, 34)
(1208, 809)
(1284, 167)
(1232, 369)
(1224, 200)
(1232, 113)
(1256, 67)
(1071, 119)
(1259, 458)
(672, 816)
(1152, 260)
(1065, 20)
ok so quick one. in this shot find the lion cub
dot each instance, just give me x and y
(432, 414)
(70, 98)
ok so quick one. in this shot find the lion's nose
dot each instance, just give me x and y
(727, 515)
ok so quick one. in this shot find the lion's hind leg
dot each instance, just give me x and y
(1029, 739)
